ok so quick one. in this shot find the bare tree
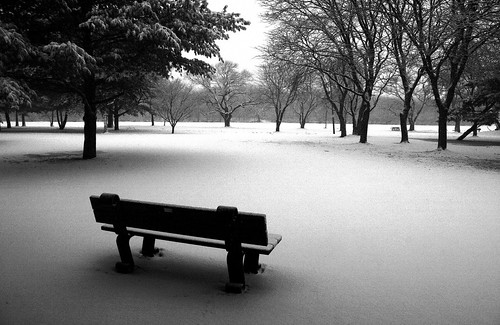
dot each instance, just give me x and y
(280, 82)
(406, 61)
(174, 100)
(226, 89)
(445, 34)
(308, 99)
(347, 31)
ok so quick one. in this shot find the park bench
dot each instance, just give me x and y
(243, 235)
(395, 128)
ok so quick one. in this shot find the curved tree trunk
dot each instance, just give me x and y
(466, 133)
(61, 121)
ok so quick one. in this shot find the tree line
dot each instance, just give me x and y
(359, 49)
(117, 57)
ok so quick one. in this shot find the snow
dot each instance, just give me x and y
(378, 233)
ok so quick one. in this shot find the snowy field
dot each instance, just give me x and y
(377, 233)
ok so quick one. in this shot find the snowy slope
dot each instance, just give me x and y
(380, 233)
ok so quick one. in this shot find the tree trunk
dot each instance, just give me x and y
(17, 118)
(23, 119)
(110, 118)
(363, 122)
(117, 120)
(355, 125)
(333, 123)
(7, 120)
(466, 133)
(403, 116)
(474, 130)
(278, 124)
(227, 120)
(457, 125)
(61, 121)
(89, 131)
(173, 127)
(52, 119)
(90, 120)
(343, 126)
(443, 129)
(302, 122)
(152, 120)
(412, 124)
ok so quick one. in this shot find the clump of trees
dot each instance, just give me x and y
(102, 50)
(357, 47)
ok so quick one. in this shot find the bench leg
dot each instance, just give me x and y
(236, 273)
(127, 263)
(251, 264)
(148, 246)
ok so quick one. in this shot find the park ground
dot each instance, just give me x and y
(377, 233)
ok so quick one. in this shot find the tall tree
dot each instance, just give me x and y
(406, 61)
(445, 33)
(226, 89)
(92, 46)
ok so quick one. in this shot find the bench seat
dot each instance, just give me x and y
(273, 239)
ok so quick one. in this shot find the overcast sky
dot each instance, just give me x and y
(241, 46)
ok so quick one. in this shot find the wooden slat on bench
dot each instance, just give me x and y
(176, 219)
(273, 239)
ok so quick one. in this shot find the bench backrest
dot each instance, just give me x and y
(183, 220)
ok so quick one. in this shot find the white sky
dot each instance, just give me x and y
(241, 46)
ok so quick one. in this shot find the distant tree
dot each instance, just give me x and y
(56, 103)
(173, 100)
(14, 50)
(89, 47)
(280, 82)
(226, 89)
(308, 99)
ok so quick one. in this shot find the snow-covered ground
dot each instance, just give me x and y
(378, 233)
